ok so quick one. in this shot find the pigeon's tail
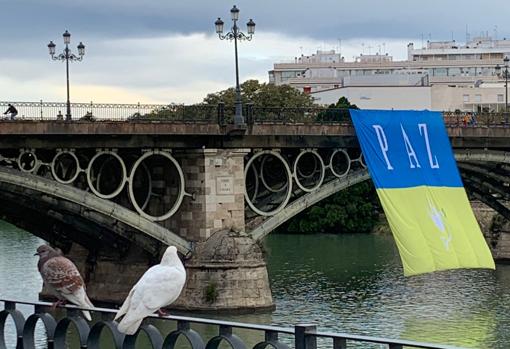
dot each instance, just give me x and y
(80, 298)
(125, 306)
(129, 326)
(86, 315)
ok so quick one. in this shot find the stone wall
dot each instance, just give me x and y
(215, 177)
(228, 273)
(496, 230)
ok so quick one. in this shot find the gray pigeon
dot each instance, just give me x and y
(158, 287)
(62, 278)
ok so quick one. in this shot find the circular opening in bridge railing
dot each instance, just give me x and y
(11, 328)
(39, 327)
(340, 163)
(71, 332)
(276, 177)
(142, 187)
(65, 167)
(27, 161)
(309, 170)
(105, 334)
(252, 183)
(106, 174)
(272, 172)
(361, 160)
(148, 336)
(166, 189)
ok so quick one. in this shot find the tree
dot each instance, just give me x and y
(353, 210)
(338, 111)
(269, 101)
(262, 96)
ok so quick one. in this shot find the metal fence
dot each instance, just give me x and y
(112, 111)
(89, 335)
(219, 114)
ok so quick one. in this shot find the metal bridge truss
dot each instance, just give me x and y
(141, 188)
(135, 188)
(279, 185)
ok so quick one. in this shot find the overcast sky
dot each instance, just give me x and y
(155, 51)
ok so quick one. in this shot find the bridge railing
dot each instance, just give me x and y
(220, 114)
(468, 119)
(113, 111)
(89, 335)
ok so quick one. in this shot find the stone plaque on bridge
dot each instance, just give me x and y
(225, 185)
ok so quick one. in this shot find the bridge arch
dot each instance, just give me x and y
(59, 199)
(474, 185)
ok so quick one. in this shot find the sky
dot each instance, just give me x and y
(153, 51)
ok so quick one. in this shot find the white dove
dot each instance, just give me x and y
(62, 278)
(158, 287)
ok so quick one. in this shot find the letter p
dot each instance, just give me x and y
(383, 144)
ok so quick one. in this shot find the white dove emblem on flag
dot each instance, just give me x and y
(438, 219)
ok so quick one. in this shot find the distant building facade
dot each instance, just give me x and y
(457, 76)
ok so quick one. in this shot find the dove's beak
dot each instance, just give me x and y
(36, 254)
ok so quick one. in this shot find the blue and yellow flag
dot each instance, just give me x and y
(409, 157)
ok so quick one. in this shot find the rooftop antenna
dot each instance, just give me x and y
(301, 50)
(467, 34)
(452, 36)
(496, 32)
(421, 40)
(340, 46)
(362, 48)
(384, 47)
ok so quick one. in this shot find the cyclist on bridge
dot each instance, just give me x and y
(11, 110)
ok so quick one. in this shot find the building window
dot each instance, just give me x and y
(453, 71)
(500, 98)
(440, 72)
(478, 98)
(466, 98)
(288, 75)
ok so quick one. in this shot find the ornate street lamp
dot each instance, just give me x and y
(235, 34)
(67, 56)
(505, 75)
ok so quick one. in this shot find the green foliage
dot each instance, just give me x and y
(262, 96)
(211, 292)
(338, 111)
(354, 210)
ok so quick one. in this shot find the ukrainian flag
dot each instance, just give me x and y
(409, 157)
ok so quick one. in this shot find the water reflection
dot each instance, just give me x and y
(351, 284)
(355, 284)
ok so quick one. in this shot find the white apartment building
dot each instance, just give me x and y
(439, 97)
(445, 63)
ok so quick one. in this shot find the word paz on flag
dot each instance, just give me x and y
(410, 160)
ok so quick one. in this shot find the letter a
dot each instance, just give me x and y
(383, 143)
(410, 151)
(423, 127)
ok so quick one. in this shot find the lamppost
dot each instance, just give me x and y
(235, 34)
(67, 56)
(505, 74)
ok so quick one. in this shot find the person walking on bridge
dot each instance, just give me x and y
(11, 110)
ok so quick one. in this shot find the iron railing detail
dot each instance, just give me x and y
(305, 336)
(218, 114)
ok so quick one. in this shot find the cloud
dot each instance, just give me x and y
(177, 68)
(168, 52)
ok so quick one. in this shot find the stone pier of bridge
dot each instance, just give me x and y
(226, 269)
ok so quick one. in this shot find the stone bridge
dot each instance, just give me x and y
(113, 194)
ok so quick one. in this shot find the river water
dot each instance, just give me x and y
(345, 283)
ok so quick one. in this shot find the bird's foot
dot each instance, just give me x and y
(162, 313)
(58, 303)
